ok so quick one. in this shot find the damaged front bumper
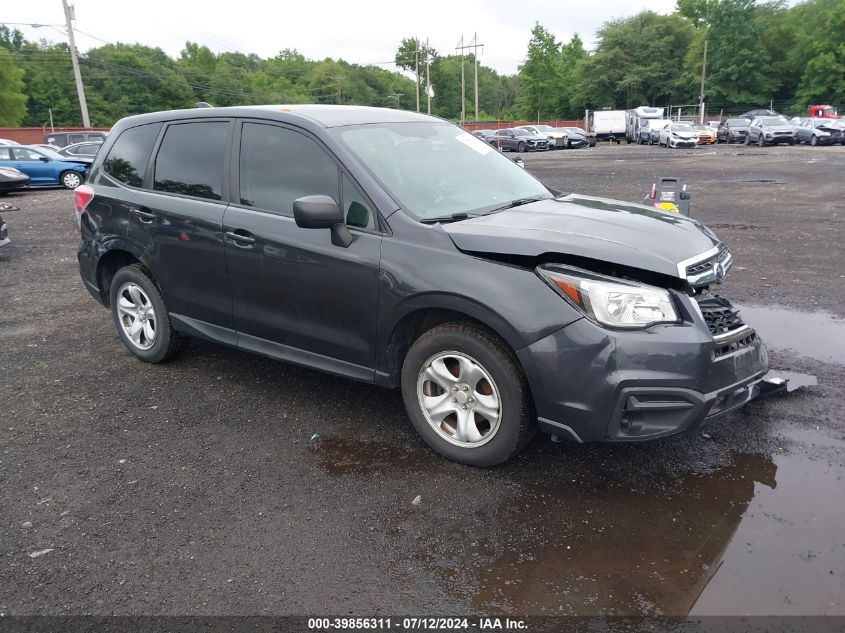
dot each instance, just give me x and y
(595, 384)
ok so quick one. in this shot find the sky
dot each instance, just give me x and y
(363, 31)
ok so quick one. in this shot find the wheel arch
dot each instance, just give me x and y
(114, 256)
(410, 320)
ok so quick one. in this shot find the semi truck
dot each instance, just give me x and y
(637, 123)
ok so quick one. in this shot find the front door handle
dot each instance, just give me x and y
(143, 215)
(239, 237)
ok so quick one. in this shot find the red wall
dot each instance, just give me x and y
(495, 125)
(30, 135)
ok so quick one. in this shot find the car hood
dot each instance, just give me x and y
(737, 128)
(78, 160)
(690, 135)
(778, 128)
(618, 232)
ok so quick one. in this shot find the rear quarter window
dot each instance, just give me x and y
(128, 157)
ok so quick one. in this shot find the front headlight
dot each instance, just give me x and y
(610, 301)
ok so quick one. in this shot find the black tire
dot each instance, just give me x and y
(167, 342)
(747, 140)
(516, 425)
(813, 140)
(70, 179)
(761, 142)
(520, 147)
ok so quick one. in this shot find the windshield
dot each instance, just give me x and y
(773, 121)
(682, 127)
(435, 169)
(738, 122)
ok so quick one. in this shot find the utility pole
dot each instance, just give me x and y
(461, 48)
(70, 15)
(417, 70)
(396, 95)
(701, 93)
(338, 79)
(475, 45)
(428, 74)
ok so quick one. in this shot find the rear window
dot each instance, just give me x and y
(128, 157)
(190, 159)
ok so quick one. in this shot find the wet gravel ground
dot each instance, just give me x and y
(194, 487)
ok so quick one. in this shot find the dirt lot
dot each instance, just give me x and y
(195, 488)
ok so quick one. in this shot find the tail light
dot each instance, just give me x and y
(82, 195)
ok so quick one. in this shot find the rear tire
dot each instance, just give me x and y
(140, 316)
(468, 361)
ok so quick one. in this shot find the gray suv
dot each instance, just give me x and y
(397, 249)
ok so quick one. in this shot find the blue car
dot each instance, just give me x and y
(45, 167)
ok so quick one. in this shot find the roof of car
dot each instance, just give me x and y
(322, 114)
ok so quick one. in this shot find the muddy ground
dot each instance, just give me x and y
(194, 487)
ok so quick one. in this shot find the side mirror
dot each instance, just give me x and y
(44, 159)
(322, 212)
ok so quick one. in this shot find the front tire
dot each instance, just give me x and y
(466, 396)
(71, 179)
(520, 147)
(813, 140)
(140, 316)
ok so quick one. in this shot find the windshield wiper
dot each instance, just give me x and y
(518, 203)
(454, 217)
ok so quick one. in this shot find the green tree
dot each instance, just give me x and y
(411, 56)
(541, 76)
(738, 69)
(12, 97)
(823, 79)
(124, 79)
(638, 61)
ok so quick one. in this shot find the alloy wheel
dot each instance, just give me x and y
(137, 315)
(459, 399)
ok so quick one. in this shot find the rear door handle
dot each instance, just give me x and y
(143, 215)
(240, 237)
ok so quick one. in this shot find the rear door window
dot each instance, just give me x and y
(190, 159)
(279, 165)
(75, 138)
(128, 157)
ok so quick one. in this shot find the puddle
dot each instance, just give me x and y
(349, 457)
(735, 227)
(746, 539)
(816, 335)
(796, 379)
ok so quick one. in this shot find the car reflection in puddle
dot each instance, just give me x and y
(589, 540)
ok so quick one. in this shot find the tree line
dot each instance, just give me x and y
(757, 53)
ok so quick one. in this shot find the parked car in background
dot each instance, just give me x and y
(733, 130)
(63, 139)
(44, 167)
(770, 130)
(706, 134)
(560, 138)
(79, 150)
(572, 132)
(654, 128)
(675, 135)
(818, 132)
(753, 114)
(12, 179)
(484, 135)
(497, 305)
(516, 140)
(550, 142)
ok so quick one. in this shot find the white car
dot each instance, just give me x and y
(678, 135)
(560, 137)
(5, 141)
